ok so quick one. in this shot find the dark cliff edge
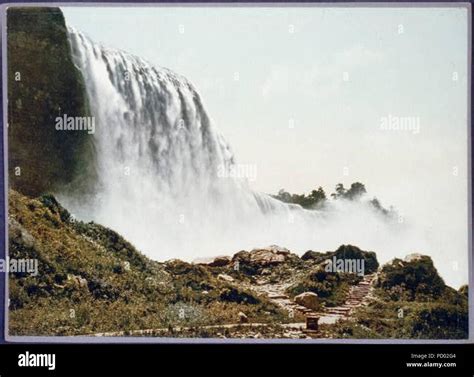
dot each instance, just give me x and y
(44, 83)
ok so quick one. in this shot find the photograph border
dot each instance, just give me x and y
(167, 340)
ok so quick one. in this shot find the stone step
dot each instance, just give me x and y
(285, 301)
(358, 295)
(339, 311)
(277, 296)
(342, 307)
(300, 308)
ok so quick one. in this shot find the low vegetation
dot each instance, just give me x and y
(411, 301)
(91, 280)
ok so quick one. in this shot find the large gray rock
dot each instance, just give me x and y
(269, 256)
(309, 300)
(19, 234)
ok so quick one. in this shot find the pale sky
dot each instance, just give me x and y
(300, 92)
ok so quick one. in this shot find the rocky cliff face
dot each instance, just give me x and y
(43, 83)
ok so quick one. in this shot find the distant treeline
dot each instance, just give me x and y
(317, 198)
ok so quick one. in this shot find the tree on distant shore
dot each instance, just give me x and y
(311, 201)
(356, 191)
(316, 198)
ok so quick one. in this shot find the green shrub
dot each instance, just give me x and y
(417, 279)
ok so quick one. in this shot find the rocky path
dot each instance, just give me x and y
(178, 329)
(359, 294)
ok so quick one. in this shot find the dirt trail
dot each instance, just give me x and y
(177, 329)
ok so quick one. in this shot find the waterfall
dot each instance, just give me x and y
(158, 158)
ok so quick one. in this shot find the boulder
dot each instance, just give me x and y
(309, 300)
(269, 256)
(19, 234)
(220, 261)
(257, 260)
(313, 255)
(203, 260)
(225, 277)
(241, 256)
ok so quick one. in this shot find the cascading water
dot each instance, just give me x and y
(158, 158)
